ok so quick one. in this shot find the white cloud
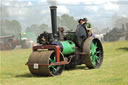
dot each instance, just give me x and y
(16, 3)
(29, 3)
(74, 2)
(62, 10)
(44, 11)
(110, 6)
(17, 12)
(43, 0)
(26, 10)
(94, 1)
(5, 4)
(92, 8)
(69, 1)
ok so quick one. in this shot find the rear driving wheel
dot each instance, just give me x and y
(94, 50)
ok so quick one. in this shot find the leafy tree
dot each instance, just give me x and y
(44, 27)
(67, 21)
(37, 29)
(64, 20)
(10, 27)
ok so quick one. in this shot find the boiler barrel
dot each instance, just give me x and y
(68, 47)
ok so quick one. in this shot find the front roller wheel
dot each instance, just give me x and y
(94, 50)
(42, 60)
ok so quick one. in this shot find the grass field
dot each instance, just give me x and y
(114, 70)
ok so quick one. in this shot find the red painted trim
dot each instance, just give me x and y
(58, 53)
(50, 47)
(56, 63)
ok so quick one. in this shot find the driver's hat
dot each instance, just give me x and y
(85, 19)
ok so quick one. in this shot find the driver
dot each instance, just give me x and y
(80, 21)
(61, 33)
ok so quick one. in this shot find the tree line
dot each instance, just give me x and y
(14, 27)
(10, 27)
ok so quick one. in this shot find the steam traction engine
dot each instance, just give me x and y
(53, 55)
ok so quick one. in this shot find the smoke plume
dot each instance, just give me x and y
(52, 2)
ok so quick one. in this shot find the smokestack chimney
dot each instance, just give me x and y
(54, 21)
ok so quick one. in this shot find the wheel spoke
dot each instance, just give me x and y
(50, 59)
(93, 48)
(91, 58)
(97, 52)
(98, 61)
(93, 53)
(96, 57)
(49, 66)
(54, 59)
(96, 45)
(52, 67)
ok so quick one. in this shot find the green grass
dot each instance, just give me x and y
(114, 70)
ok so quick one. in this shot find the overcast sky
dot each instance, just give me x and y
(99, 12)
